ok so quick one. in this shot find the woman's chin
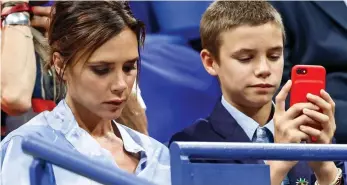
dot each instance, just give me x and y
(111, 115)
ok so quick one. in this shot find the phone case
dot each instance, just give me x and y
(307, 79)
(310, 81)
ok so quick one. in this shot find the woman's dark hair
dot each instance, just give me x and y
(80, 27)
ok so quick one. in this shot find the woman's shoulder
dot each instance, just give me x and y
(13, 155)
(38, 126)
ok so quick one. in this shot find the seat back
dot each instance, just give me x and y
(176, 88)
(46, 154)
(180, 17)
(190, 161)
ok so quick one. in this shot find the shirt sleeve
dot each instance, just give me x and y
(15, 164)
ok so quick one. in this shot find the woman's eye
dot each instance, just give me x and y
(100, 70)
(129, 67)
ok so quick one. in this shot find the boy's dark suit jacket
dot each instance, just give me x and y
(220, 126)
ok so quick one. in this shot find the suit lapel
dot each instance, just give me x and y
(226, 126)
(300, 171)
(228, 129)
(337, 10)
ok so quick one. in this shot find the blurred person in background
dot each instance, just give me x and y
(317, 35)
(24, 50)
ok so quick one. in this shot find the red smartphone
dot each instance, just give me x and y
(306, 79)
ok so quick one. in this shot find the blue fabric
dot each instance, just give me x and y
(60, 128)
(49, 3)
(248, 125)
(262, 135)
(175, 87)
(142, 10)
(163, 38)
(180, 17)
(37, 88)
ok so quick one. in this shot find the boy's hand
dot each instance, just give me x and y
(287, 123)
(325, 118)
(325, 171)
(291, 126)
(287, 128)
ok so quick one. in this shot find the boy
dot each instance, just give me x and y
(243, 46)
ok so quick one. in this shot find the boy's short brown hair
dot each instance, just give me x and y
(222, 16)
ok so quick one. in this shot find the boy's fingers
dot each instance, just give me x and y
(320, 102)
(325, 95)
(281, 97)
(297, 109)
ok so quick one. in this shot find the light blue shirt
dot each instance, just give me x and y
(61, 129)
(248, 124)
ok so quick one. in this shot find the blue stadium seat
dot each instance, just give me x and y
(199, 172)
(49, 3)
(175, 87)
(179, 17)
(46, 154)
(163, 38)
(142, 11)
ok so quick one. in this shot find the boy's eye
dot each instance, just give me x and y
(100, 70)
(274, 57)
(244, 59)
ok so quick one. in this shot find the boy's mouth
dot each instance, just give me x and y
(263, 85)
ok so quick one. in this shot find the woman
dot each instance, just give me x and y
(95, 52)
(45, 88)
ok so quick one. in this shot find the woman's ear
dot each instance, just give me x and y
(58, 63)
(209, 62)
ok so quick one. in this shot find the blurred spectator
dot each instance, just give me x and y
(18, 60)
(24, 52)
(317, 35)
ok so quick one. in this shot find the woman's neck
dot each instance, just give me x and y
(259, 114)
(93, 124)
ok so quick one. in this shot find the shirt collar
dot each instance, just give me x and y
(246, 123)
(63, 120)
(129, 143)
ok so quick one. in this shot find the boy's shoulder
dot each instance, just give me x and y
(201, 130)
(204, 129)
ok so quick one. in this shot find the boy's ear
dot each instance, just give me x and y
(209, 62)
(58, 63)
